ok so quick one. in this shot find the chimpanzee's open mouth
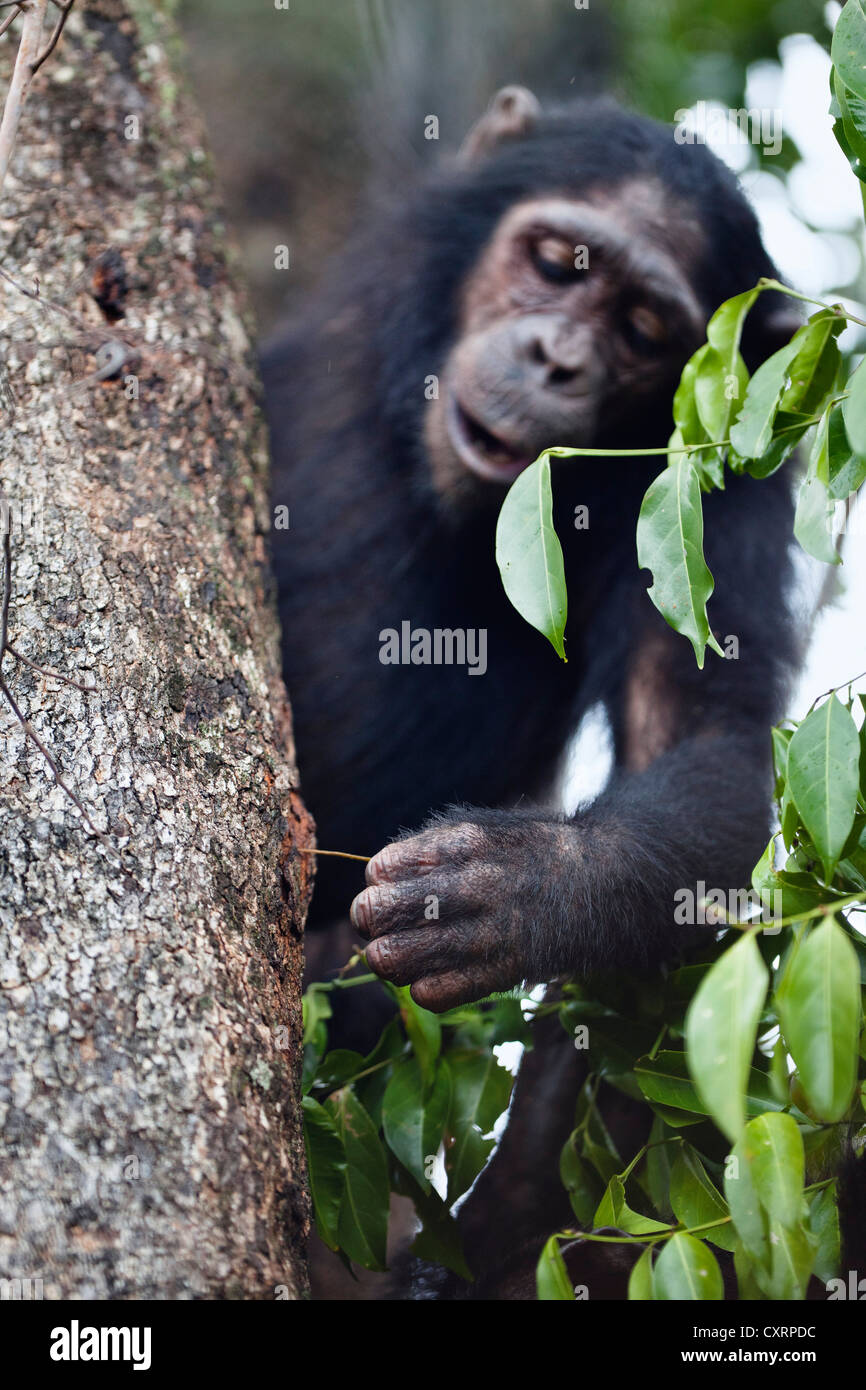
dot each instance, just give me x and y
(481, 450)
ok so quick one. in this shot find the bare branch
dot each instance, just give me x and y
(58, 776)
(6, 521)
(51, 674)
(28, 49)
(55, 37)
(18, 8)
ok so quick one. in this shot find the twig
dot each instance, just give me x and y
(6, 520)
(28, 50)
(58, 776)
(47, 303)
(337, 854)
(47, 671)
(55, 37)
(11, 18)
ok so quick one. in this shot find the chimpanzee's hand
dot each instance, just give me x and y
(466, 908)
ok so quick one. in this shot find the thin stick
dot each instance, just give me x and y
(338, 854)
(6, 519)
(55, 37)
(10, 19)
(47, 671)
(28, 50)
(58, 776)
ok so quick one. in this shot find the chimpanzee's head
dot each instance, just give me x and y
(562, 275)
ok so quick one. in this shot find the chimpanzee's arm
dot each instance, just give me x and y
(482, 899)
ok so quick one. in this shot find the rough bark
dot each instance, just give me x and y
(150, 1143)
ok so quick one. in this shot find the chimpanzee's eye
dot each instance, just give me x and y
(554, 258)
(647, 329)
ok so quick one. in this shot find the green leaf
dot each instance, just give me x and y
(659, 1162)
(603, 1161)
(781, 739)
(721, 1030)
(687, 1270)
(846, 471)
(816, 509)
(439, 1240)
(686, 418)
(439, 1243)
(665, 1082)
(370, 1089)
(780, 1078)
(815, 368)
(338, 1067)
(579, 1181)
(789, 430)
(670, 542)
(764, 878)
(615, 1043)
(792, 1256)
(748, 1288)
(801, 892)
(749, 1217)
(613, 1210)
(823, 775)
(820, 1013)
(326, 1168)
(423, 1029)
(777, 1160)
(849, 123)
(753, 432)
(848, 49)
(310, 1065)
(508, 1022)
(640, 1283)
(722, 367)
(481, 1091)
(824, 1225)
(363, 1227)
(695, 1199)
(316, 1009)
(529, 555)
(789, 818)
(414, 1114)
(854, 411)
(551, 1275)
(689, 430)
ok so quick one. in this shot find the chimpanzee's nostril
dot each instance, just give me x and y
(537, 353)
(561, 376)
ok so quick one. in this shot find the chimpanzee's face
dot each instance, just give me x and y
(578, 310)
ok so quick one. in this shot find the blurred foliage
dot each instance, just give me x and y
(307, 106)
(673, 53)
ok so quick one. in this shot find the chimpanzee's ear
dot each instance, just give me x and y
(511, 114)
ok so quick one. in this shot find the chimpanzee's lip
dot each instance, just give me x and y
(482, 450)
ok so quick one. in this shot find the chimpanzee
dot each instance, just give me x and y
(544, 288)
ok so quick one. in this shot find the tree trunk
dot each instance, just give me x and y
(150, 1141)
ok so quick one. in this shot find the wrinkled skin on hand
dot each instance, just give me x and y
(455, 910)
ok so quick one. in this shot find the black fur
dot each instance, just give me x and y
(371, 543)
